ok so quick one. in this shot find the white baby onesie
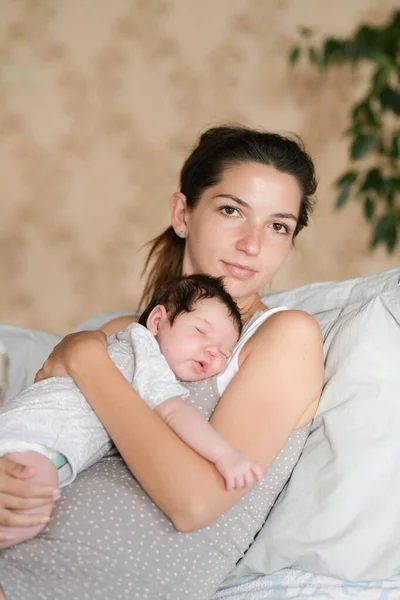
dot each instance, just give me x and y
(52, 416)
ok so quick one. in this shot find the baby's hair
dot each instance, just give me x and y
(181, 296)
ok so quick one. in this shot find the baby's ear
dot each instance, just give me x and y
(155, 318)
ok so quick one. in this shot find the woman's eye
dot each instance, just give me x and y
(229, 211)
(280, 228)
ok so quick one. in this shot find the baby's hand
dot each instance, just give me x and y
(238, 470)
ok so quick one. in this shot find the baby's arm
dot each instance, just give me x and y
(238, 470)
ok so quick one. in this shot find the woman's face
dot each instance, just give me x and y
(242, 228)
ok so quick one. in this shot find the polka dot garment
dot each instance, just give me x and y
(107, 539)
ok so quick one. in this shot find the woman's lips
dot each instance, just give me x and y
(239, 271)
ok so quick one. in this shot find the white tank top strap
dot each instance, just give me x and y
(232, 366)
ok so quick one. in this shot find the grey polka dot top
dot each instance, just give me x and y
(107, 539)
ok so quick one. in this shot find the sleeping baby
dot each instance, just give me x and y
(186, 333)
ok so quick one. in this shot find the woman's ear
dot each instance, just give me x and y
(155, 318)
(179, 210)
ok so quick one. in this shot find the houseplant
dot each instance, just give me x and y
(374, 124)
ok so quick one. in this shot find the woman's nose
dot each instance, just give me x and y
(251, 240)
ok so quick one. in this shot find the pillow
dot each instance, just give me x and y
(339, 515)
(27, 350)
(3, 372)
(326, 297)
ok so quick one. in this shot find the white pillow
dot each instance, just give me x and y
(27, 349)
(325, 297)
(3, 372)
(339, 515)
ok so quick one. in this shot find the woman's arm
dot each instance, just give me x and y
(17, 492)
(279, 379)
(238, 470)
(118, 324)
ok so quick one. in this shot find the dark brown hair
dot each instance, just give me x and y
(218, 149)
(181, 296)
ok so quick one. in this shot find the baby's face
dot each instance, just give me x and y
(198, 343)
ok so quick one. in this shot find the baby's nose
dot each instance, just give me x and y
(212, 352)
(216, 361)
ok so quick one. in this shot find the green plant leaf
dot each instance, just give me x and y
(380, 146)
(392, 35)
(313, 56)
(342, 197)
(390, 99)
(385, 232)
(391, 189)
(374, 181)
(371, 134)
(344, 185)
(394, 152)
(361, 145)
(395, 181)
(396, 20)
(395, 24)
(364, 114)
(347, 178)
(354, 130)
(380, 77)
(334, 51)
(368, 42)
(294, 55)
(369, 208)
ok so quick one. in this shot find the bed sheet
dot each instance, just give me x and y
(292, 584)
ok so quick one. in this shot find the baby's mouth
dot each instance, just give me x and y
(200, 366)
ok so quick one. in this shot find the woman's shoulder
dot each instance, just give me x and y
(287, 331)
(279, 321)
(283, 320)
(274, 343)
(286, 354)
(118, 324)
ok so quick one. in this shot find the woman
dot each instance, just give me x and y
(244, 196)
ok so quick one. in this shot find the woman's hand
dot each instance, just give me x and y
(17, 493)
(65, 352)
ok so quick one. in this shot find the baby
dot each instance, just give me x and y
(186, 333)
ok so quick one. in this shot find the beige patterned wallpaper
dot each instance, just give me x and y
(100, 101)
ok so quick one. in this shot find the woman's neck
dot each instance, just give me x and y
(248, 306)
